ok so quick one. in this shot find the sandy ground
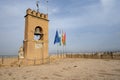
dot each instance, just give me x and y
(66, 69)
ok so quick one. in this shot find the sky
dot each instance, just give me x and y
(90, 25)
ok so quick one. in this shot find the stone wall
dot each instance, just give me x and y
(15, 61)
(103, 55)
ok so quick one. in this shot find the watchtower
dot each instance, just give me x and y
(36, 35)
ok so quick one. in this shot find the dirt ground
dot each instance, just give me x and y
(66, 69)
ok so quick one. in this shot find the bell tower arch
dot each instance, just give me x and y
(36, 35)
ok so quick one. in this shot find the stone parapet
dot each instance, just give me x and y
(36, 14)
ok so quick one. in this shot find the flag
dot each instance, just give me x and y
(60, 36)
(64, 38)
(57, 38)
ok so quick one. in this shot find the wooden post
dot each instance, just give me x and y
(34, 61)
(49, 59)
(2, 59)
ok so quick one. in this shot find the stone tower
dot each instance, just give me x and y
(36, 35)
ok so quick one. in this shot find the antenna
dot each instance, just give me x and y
(37, 4)
(47, 6)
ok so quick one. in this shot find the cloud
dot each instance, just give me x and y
(92, 26)
(95, 15)
(108, 3)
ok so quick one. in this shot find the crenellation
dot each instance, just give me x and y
(42, 15)
(36, 14)
(28, 11)
(45, 16)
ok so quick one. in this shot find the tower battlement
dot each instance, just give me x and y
(36, 14)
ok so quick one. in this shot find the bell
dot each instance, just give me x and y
(37, 31)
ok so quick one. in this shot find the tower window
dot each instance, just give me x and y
(38, 34)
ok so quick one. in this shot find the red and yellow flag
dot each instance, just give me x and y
(64, 38)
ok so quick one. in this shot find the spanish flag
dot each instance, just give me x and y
(64, 39)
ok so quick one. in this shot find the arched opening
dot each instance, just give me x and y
(38, 33)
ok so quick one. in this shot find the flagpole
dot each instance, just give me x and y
(63, 51)
(65, 42)
(57, 49)
(57, 40)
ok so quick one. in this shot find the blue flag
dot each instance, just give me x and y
(57, 38)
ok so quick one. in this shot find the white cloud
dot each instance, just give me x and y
(95, 15)
(103, 15)
(108, 3)
(53, 11)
